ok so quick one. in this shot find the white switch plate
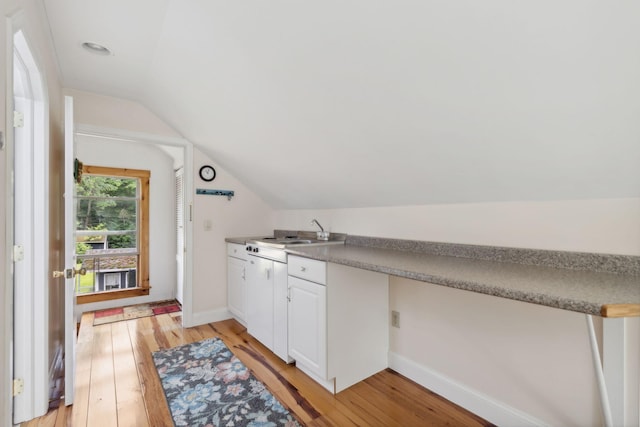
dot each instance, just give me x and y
(395, 319)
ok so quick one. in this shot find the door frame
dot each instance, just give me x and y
(122, 135)
(6, 371)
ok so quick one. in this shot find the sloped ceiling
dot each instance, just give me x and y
(377, 103)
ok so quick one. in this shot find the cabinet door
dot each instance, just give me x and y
(280, 309)
(260, 300)
(236, 289)
(308, 325)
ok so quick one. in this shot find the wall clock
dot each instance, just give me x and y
(207, 173)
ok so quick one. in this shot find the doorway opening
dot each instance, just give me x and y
(162, 155)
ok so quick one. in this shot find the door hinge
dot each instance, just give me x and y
(18, 386)
(18, 253)
(18, 119)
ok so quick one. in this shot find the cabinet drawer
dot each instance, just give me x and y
(308, 269)
(236, 250)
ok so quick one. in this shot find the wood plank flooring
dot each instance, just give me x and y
(117, 384)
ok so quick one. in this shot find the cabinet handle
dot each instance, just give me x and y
(289, 293)
(268, 271)
(303, 269)
(244, 272)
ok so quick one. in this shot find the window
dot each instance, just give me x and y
(111, 280)
(112, 233)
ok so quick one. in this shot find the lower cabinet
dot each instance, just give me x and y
(308, 325)
(236, 282)
(338, 321)
(260, 300)
(267, 304)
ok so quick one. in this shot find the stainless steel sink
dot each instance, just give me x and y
(283, 243)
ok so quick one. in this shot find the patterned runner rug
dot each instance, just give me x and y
(207, 385)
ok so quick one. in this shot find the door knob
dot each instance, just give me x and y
(70, 273)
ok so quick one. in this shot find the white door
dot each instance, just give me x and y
(180, 248)
(260, 300)
(308, 325)
(29, 235)
(236, 287)
(69, 251)
(280, 316)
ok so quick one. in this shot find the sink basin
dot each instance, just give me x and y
(284, 242)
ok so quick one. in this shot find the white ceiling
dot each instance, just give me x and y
(377, 103)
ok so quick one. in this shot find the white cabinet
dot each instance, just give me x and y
(236, 281)
(308, 269)
(267, 304)
(280, 315)
(260, 300)
(308, 325)
(338, 321)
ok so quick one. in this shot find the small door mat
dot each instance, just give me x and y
(135, 312)
(173, 308)
(107, 316)
(109, 312)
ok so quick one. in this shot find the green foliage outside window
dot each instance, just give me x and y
(107, 203)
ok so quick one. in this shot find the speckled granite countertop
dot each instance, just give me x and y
(599, 293)
(239, 240)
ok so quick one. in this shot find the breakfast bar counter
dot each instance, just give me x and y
(594, 284)
(601, 293)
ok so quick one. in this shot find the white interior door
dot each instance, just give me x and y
(30, 235)
(180, 248)
(69, 249)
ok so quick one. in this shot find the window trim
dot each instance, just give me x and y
(143, 238)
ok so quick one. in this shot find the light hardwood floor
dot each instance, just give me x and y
(117, 384)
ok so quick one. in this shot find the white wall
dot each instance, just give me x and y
(603, 225)
(244, 215)
(162, 234)
(534, 359)
(107, 111)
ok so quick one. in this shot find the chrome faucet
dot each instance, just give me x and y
(322, 235)
(315, 221)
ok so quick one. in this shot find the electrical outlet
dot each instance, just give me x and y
(395, 319)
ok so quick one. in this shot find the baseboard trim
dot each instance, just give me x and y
(330, 385)
(204, 317)
(472, 400)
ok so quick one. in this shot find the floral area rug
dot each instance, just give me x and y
(207, 385)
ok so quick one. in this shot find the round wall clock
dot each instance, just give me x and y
(207, 173)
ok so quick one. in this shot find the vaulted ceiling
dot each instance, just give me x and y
(376, 103)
